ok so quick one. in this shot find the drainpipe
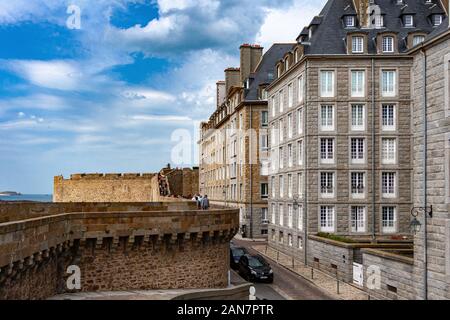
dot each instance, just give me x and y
(374, 215)
(305, 164)
(251, 171)
(425, 175)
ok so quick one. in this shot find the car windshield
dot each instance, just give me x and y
(254, 262)
(238, 252)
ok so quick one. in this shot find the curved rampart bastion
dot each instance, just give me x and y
(140, 246)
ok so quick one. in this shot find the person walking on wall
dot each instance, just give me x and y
(205, 202)
(199, 201)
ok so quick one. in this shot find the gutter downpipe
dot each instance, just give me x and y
(251, 171)
(425, 174)
(305, 162)
(374, 237)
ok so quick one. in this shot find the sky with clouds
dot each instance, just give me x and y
(108, 96)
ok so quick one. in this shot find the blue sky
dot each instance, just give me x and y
(108, 96)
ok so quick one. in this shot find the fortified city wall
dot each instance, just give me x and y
(143, 246)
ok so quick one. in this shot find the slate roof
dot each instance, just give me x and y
(328, 36)
(265, 72)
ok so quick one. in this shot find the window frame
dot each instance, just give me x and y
(327, 161)
(358, 196)
(389, 229)
(327, 128)
(388, 161)
(353, 221)
(389, 195)
(363, 85)
(327, 228)
(389, 94)
(327, 195)
(327, 94)
(357, 44)
(358, 128)
(389, 128)
(264, 196)
(358, 161)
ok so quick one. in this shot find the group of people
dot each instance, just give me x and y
(202, 201)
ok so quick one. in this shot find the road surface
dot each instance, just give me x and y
(286, 285)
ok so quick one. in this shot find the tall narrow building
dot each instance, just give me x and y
(340, 113)
(234, 167)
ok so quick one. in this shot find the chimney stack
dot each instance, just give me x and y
(232, 79)
(250, 58)
(220, 93)
(362, 9)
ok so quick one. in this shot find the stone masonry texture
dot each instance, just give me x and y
(168, 246)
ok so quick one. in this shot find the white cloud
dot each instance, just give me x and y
(283, 25)
(35, 101)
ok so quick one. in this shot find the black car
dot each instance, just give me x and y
(255, 268)
(235, 255)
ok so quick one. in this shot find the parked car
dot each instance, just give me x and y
(235, 255)
(255, 268)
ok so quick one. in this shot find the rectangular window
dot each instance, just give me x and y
(388, 44)
(379, 21)
(300, 152)
(290, 216)
(327, 118)
(290, 186)
(358, 83)
(290, 125)
(349, 21)
(388, 115)
(281, 130)
(358, 185)
(281, 213)
(358, 219)
(273, 160)
(409, 21)
(327, 84)
(357, 44)
(326, 219)
(300, 121)
(418, 40)
(300, 218)
(264, 190)
(357, 150)
(290, 242)
(327, 150)
(327, 184)
(264, 215)
(358, 118)
(264, 143)
(281, 237)
(300, 89)
(274, 106)
(273, 213)
(388, 219)
(290, 156)
(388, 150)
(290, 95)
(264, 119)
(300, 184)
(388, 83)
(272, 179)
(281, 181)
(281, 101)
(300, 242)
(281, 158)
(388, 184)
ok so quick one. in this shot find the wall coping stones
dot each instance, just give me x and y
(400, 244)
(389, 255)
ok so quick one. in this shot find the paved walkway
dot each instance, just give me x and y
(322, 280)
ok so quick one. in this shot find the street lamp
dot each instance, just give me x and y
(415, 224)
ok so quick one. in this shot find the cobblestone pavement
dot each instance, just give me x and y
(323, 281)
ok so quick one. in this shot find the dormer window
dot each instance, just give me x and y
(418, 40)
(349, 21)
(388, 44)
(436, 20)
(279, 71)
(286, 64)
(408, 21)
(357, 44)
(379, 21)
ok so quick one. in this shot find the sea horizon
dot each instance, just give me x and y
(28, 197)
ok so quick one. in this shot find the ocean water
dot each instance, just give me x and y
(29, 197)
